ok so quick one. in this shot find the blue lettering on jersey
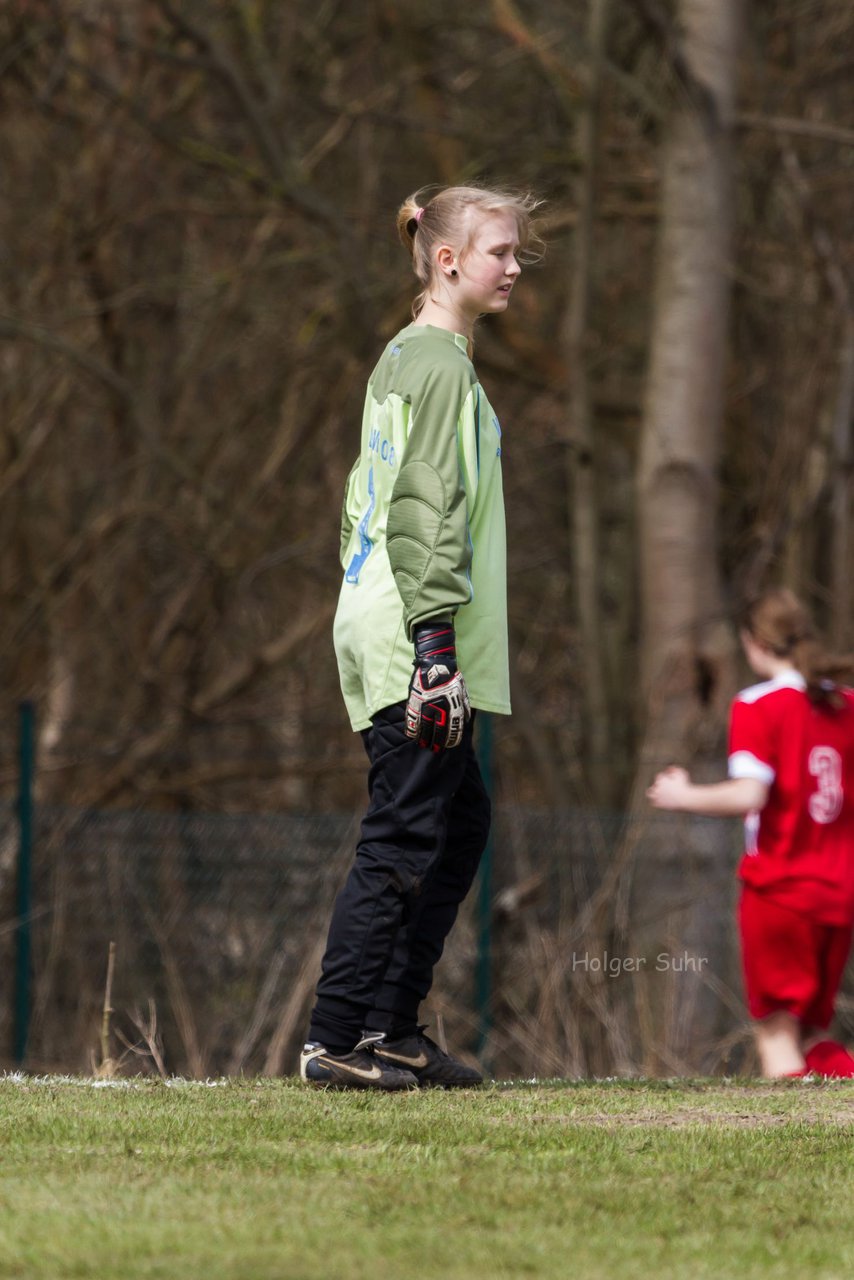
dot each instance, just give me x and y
(365, 545)
(495, 423)
(382, 447)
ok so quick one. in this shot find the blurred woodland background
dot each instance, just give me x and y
(198, 269)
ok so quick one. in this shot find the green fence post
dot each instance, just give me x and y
(25, 872)
(483, 971)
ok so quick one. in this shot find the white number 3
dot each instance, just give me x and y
(825, 803)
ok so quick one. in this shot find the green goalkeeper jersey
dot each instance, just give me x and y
(422, 527)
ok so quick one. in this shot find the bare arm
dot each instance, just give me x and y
(673, 789)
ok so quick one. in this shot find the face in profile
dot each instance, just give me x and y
(489, 268)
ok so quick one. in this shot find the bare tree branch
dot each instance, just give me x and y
(790, 125)
(125, 393)
(243, 670)
(286, 178)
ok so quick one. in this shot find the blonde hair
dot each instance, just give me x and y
(426, 220)
(778, 621)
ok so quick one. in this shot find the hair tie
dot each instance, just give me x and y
(419, 213)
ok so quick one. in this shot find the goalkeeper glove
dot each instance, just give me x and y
(438, 704)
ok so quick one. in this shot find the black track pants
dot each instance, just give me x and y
(420, 844)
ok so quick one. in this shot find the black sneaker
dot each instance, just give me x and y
(358, 1069)
(430, 1065)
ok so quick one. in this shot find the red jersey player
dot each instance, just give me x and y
(791, 773)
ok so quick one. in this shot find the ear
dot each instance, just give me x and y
(749, 643)
(446, 258)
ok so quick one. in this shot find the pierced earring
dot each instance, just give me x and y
(453, 271)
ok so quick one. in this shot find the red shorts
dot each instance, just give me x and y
(791, 963)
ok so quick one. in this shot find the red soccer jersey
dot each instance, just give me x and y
(800, 848)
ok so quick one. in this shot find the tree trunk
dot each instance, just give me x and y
(585, 507)
(841, 493)
(687, 649)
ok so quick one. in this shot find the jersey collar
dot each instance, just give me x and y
(458, 338)
(788, 680)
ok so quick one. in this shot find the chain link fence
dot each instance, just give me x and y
(218, 924)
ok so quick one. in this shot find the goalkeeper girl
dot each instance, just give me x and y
(791, 772)
(421, 641)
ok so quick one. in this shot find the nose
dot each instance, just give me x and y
(513, 268)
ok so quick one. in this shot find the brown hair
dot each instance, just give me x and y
(778, 621)
(425, 221)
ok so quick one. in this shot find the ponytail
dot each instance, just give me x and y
(779, 621)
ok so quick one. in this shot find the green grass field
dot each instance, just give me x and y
(241, 1180)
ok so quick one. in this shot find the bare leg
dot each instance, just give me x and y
(778, 1042)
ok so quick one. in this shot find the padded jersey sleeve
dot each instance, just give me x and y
(428, 539)
(751, 747)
